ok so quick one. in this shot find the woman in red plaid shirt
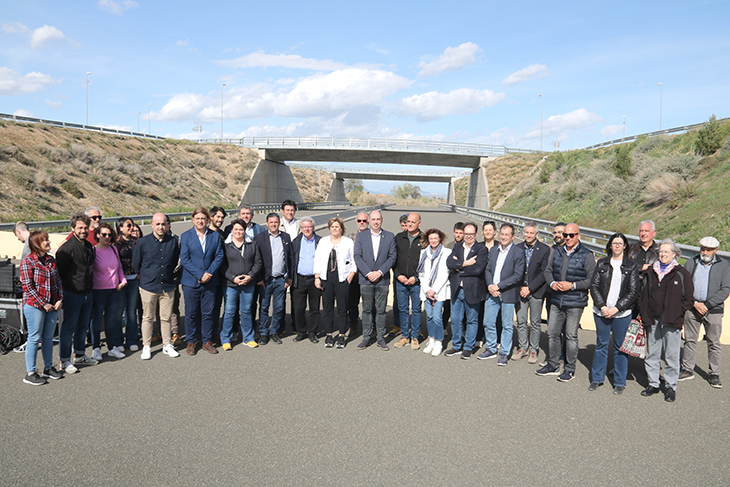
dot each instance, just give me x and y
(42, 297)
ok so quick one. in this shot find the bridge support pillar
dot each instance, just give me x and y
(271, 182)
(478, 194)
(337, 190)
(451, 197)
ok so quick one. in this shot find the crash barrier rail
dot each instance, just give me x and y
(261, 208)
(592, 238)
(55, 123)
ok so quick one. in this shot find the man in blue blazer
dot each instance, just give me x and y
(468, 291)
(504, 275)
(375, 255)
(275, 248)
(201, 256)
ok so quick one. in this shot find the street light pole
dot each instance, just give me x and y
(624, 125)
(222, 85)
(87, 97)
(540, 122)
(149, 119)
(661, 102)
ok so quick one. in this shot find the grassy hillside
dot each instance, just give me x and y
(681, 182)
(48, 173)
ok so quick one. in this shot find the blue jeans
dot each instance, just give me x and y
(275, 288)
(41, 325)
(492, 307)
(405, 294)
(199, 304)
(127, 311)
(240, 298)
(459, 307)
(434, 321)
(604, 326)
(77, 310)
(105, 306)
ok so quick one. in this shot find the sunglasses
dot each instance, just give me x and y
(105, 235)
(96, 217)
(362, 221)
(570, 235)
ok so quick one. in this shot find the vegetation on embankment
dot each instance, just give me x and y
(681, 182)
(49, 173)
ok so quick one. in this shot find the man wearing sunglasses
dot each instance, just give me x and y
(569, 272)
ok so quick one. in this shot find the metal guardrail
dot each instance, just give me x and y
(18, 118)
(684, 128)
(261, 208)
(361, 143)
(592, 238)
(388, 172)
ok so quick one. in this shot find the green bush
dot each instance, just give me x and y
(72, 189)
(622, 165)
(709, 137)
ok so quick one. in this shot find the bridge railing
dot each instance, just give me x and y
(92, 128)
(592, 238)
(368, 144)
(261, 208)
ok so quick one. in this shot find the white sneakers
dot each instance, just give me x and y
(96, 355)
(429, 346)
(170, 350)
(116, 352)
(146, 353)
(437, 348)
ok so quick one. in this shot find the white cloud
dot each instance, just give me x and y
(14, 28)
(13, 83)
(577, 119)
(53, 104)
(23, 113)
(115, 127)
(610, 130)
(117, 7)
(41, 35)
(453, 59)
(180, 108)
(182, 43)
(295, 61)
(434, 105)
(531, 71)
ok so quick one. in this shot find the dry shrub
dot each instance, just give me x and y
(147, 158)
(670, 188)
(80, 166)
(43, 181)
(111, 163)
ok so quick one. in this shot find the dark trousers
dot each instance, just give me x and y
(306, 291)
(199, 304)
(334, 289)
(353, 298)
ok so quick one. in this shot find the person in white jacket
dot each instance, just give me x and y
(334, 269)
(435, 288)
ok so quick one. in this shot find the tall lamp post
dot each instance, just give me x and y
(149, 119)
(540, 122)
(87, 97)
(624, 126)
(661, 102)
(222, 85)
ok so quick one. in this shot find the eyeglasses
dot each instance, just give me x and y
(105, 235)
(362, 221)
(95, 217)
(469, 234)
(570, 235)
(617, 244)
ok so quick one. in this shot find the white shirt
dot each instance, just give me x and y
(290, 227)
(375, 239)
(500, 263)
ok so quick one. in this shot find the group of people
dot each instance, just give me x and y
(483, 290)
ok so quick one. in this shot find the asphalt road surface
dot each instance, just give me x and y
(300, 414)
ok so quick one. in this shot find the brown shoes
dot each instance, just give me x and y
(414, 344)
(191, 349)
(208, 347)
(402, 342)
(533, 358)
(519, 354)
(177, 341)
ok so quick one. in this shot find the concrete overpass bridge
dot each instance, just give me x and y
(272, 180)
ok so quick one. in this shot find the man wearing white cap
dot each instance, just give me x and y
(711, 278)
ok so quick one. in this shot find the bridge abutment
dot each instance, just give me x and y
(477, 195)
(337, 190)
(271, 182)
(451, 196)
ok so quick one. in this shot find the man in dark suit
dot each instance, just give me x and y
(532, 293)
(201, 256)
(504, 275)
(374, 256)
(468, 290)
(303, 288)
(275, 247)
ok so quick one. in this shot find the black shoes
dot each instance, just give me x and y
(313, 337)
(650, 391)
(670, 395)
(329, 342)
(465, 355)
(264, 340)
(594, 386)
(275, 338)
(300, 337)
(341, 341)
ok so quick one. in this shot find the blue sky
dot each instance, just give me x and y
(464, 72)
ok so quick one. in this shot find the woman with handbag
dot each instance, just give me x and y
(614, 289)
(668, 293)
(435, 289)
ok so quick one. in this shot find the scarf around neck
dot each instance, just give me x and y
(435, 257)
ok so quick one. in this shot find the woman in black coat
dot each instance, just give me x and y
(614, 289)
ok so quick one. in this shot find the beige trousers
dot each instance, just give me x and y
(150, 302)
